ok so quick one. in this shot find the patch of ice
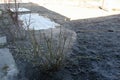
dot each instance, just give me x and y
(36, 22)
(20, 10)
(8, 69)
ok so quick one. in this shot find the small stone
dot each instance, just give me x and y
(110, 31)
(3, 40)
(0, 12)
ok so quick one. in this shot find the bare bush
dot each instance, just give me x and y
(48, 49)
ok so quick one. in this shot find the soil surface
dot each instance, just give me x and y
(96, 53)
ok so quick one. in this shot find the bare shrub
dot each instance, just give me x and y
(16, 30)
(48, 49)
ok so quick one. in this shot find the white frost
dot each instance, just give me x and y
(36, 22)
(20, 10)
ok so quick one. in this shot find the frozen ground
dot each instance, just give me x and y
(96, 54)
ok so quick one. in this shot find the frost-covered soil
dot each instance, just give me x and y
(98, 39)
(96, 53)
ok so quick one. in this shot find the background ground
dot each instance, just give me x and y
(96, 54)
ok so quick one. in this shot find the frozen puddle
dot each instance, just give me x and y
(20, 10)
(36, 22)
